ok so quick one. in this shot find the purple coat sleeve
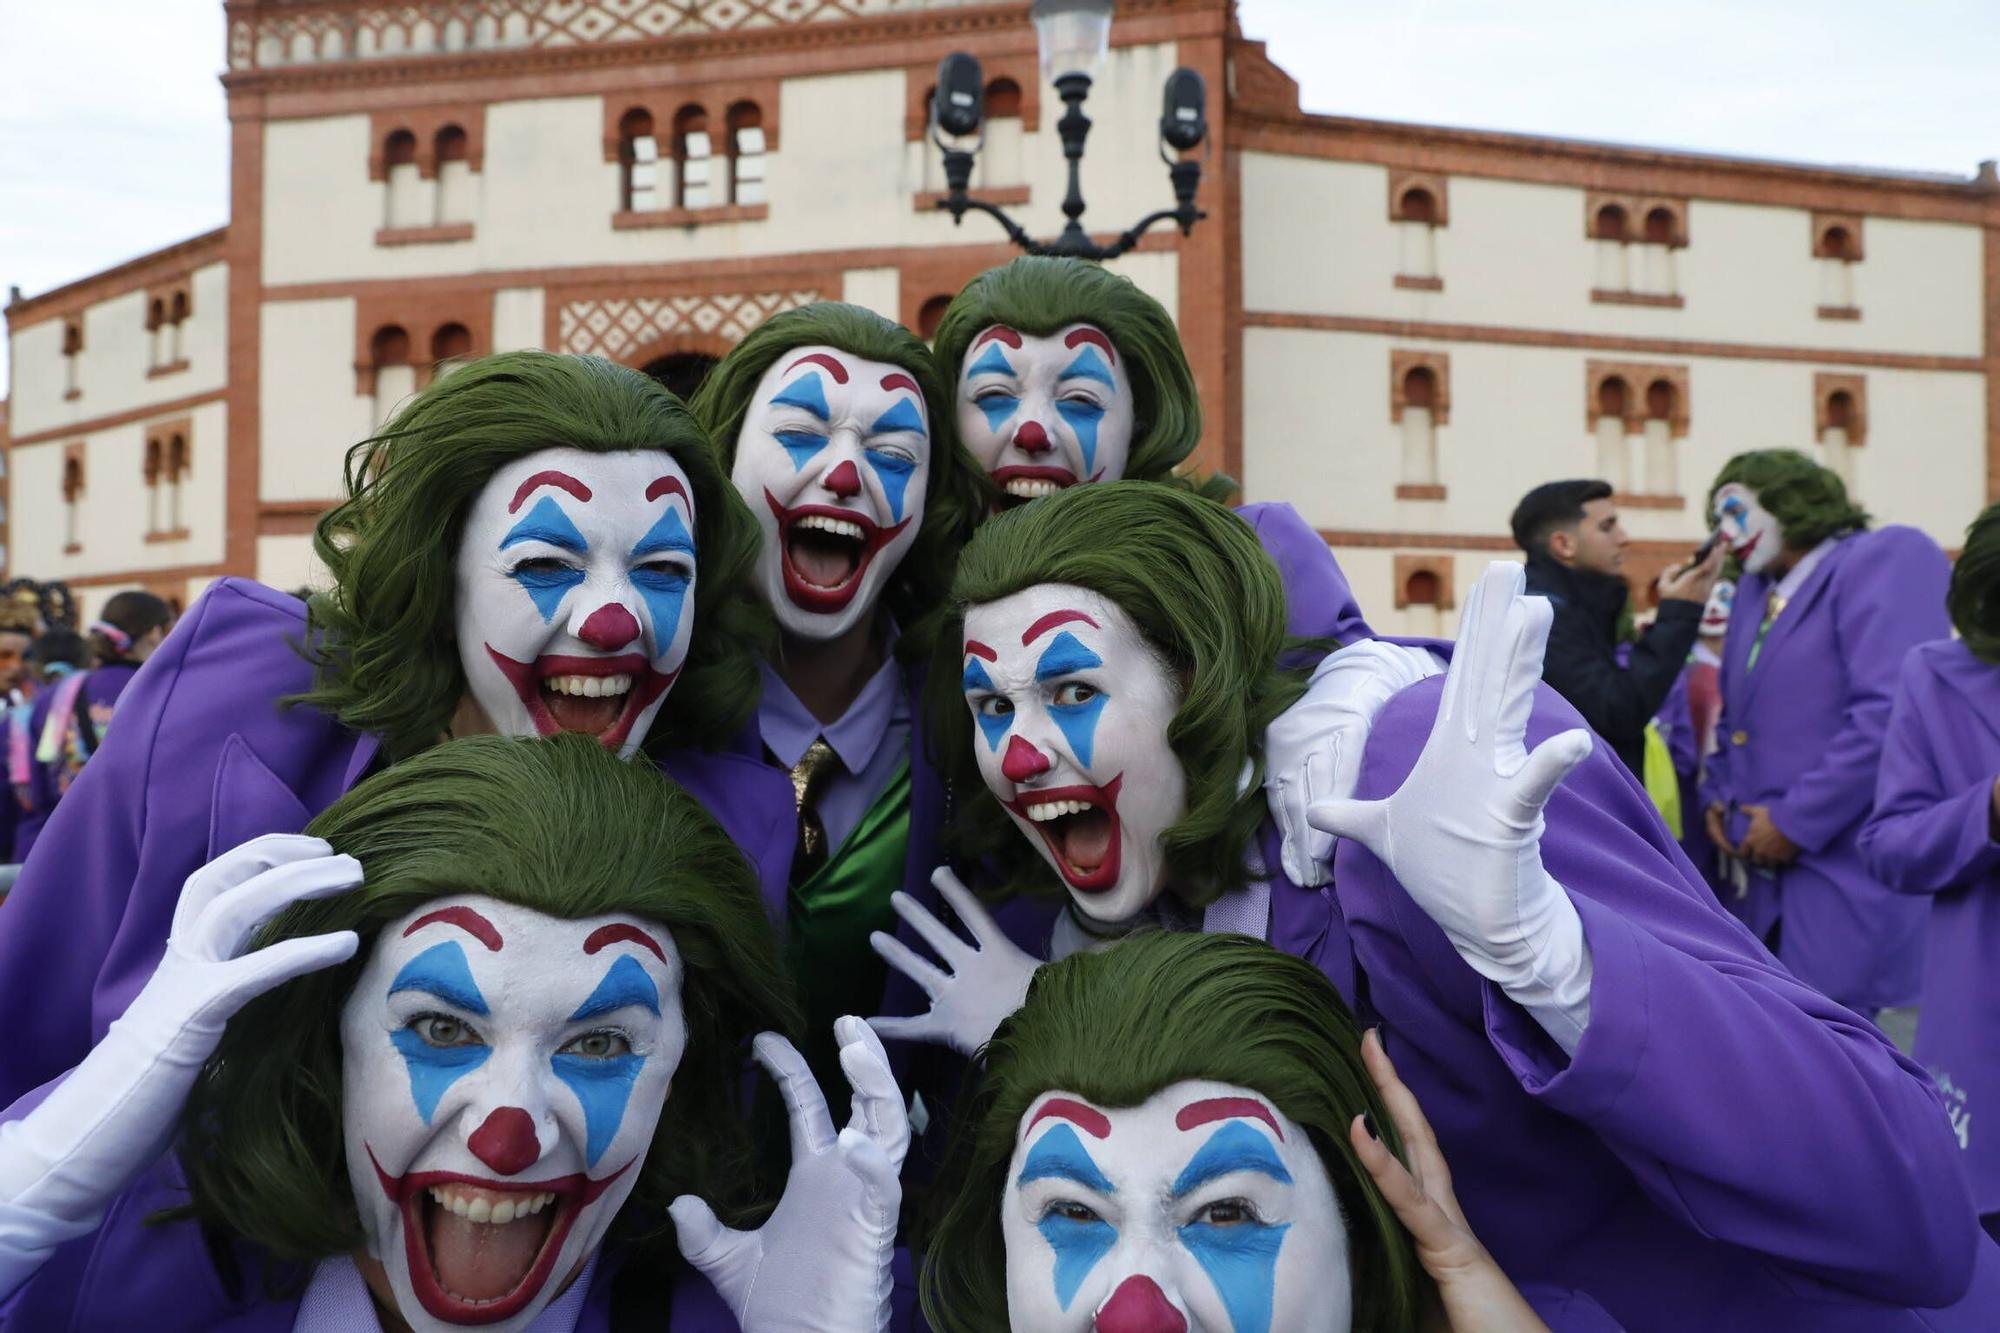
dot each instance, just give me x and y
(1318, 602)
(1922, 837)
(1889, 599)
(1708, 1070)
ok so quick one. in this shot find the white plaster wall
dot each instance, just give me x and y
(112, 513)
(879, 289)
(1318, 239)
(842, 177)
(1371, 573)
(117, 352)
(1318, 433)
(309, 411)
(517, 318)
(288, 562)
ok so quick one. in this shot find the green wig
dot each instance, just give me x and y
(564, 827)
(383, 641)
(1974, 599)
(1809, 501)
(956, 491)
(1037, 295)
(1116, 1026)
(1210, 602)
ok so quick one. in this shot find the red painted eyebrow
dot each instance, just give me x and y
(540, 479)
(1226, 1108)
(978, 649)
(1051, 620)
(898, 380)
(465, 919)
(668, 485)
(838, 371)
(1092, 336)
(619, 930)
(1091, 1120)
(999, 333)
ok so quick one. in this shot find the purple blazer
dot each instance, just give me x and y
(1727, 1149)
(102, 687)
(1802, 733)
(1931, 834)
(203, 757)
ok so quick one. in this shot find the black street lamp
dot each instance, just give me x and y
(1073, 36)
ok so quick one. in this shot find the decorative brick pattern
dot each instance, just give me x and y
(1637, 380)
(617, 328)
(328, 31)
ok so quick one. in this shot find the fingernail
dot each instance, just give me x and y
(1368, 1123)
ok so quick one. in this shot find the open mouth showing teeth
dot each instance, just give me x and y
(1079, 826)
(1018, 485)
(480, 1250)
(826, 552)
(599, 696)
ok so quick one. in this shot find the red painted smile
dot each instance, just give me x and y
(481, 1272)
(599, 696)
(1020, 483)
(825, 552)
(1743, 551)
(1079, 825)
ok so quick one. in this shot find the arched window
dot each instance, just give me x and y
(746, 153)
(1660, 233)
(931, 314)
(1836, 253)
(1419, 403)
(406, 204)
(638, 158)
(177, 317)
(155, 469)
(1422, 588)
(1660, 227)
(177, 469)
(693, 154)
(1417, 205)
(454, 175)
(394, 378)
(1001, 161)
(1422, 592)
(1610, 229)
(157, 337)
(1841, 420)
(1662, 476)
(1611, 224)
(1608, 426)
(72, 494)
(72, 350)
(451, 346)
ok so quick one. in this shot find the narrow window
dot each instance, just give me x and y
(451, 347)
(1662, 475)
(454, 175)
(156, 333)
(405, 204)
(1613, 453)
(1000, 161)
(177, 317)
(746, 153)
(1420, 397)
(638, 157)
(395, 377)
(1609, 231)
(931, 314)
(693, 153)
(177, 470)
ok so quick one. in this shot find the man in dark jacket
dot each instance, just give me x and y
(1576, 557)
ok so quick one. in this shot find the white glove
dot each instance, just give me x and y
(63, 1163)
(821, 1261)
(1312, 750)
(988, 979)
(1463, 833)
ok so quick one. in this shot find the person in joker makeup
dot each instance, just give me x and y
(1176, 1134)
(1825, 612)
(1935, 831)
(507, 987)
(1686, 722)
(1068, 373)
(1591, 1035)
(835, 427)
(535, 543)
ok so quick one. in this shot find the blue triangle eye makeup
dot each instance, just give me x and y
(1089, 365)
(992, 362)
(807, 393)
(546, 522)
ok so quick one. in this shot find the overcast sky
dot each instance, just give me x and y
(113, 137)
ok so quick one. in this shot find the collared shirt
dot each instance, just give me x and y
(338, 1301)
(871, 739)
(1795, 577)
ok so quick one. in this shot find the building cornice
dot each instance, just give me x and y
(132, 275)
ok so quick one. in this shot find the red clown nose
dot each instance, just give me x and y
(610, 627)
(1032, 438)
(1139, 1306)
(1022, 760)
(844, 480)
(506, 1142)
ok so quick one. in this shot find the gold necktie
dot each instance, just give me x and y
(809, 779)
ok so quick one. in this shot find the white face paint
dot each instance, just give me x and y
(1753, 535)
(576, 592)
(1042, 414)
(1072, 706)
(834, 459)
(503, 1073)
(1202, 1209)
(1715, 612)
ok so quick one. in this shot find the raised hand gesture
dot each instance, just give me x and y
(980, 984)
(1463, 833)
(111, 1117)
(821, 1261)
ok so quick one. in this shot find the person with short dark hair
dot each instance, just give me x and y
(1576, 558)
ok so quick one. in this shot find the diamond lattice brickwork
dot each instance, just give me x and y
(618, 328)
